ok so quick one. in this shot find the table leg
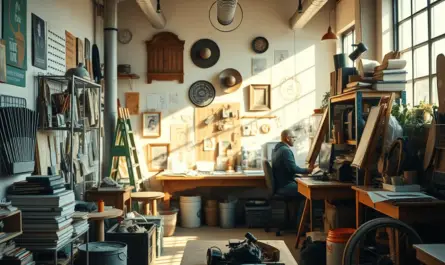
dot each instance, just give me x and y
(100, 230)
(311, 227)
(167, 197)
(128, 204)
(358, 211)
(302, 219)
(154, 208)
(146, 208)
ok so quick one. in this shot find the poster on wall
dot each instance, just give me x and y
(15, 76)
(38, 42)
(280, 56)
(14, 32)
(2, 63)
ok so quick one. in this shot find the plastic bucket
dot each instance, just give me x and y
(211, 215)
(112, 253)
(227, 214)
(335, 245)
(190, 211)
(170, 217)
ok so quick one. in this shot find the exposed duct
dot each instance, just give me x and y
(225, 11)
(157, 20)
(310, 9)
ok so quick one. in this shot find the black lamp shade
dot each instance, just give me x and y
(359, 50)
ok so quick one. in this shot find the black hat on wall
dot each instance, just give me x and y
(205, 53)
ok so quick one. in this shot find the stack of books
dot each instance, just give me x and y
(46, 218)
(390, 79)
(80, 223)
(39, 185)
(10, 254)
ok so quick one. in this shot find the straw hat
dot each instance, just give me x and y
(230, 80)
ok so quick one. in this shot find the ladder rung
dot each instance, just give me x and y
(113, 170)
(135, 165)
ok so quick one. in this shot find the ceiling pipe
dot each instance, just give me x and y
(156, 19)
(225, 11)
(310, 9)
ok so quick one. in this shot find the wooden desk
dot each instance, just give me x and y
(320, 190)
(172, 184)
(99, 218)
(195, 251)
(118, 198)
(408, 212)
(431, 254)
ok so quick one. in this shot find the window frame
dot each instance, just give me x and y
(429, 42)
(345, 34)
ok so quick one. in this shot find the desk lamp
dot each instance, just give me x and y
(359, 50)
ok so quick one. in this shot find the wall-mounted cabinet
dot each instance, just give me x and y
(165, 58)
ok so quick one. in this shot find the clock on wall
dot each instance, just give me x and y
(124, 36)
(260, 44)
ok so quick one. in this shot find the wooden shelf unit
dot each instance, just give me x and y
(12, 225)
(357, 99)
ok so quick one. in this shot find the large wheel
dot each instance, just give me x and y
(364, 246)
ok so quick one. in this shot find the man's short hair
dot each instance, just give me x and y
(286, 133)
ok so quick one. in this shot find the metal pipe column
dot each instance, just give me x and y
(110, 90)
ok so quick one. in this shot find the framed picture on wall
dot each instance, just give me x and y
(259, 98)
(38, 42)
(151, 124)
(158, 156)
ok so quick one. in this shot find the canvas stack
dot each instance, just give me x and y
(47, 210)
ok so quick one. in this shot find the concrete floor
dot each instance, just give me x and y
(174, 246)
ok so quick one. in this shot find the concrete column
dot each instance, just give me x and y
(110, 90)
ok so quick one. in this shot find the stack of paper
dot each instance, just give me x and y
(46, 219)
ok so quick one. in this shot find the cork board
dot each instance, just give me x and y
(70, 48)
(132, 102)
(231, 133)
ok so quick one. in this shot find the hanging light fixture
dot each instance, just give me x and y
(300, 7)
(329, 35)
(158, 7)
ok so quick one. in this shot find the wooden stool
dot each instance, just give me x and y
(148, 197)
(99, 218)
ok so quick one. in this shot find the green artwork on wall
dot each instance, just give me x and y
(15, 76)
(14, 32)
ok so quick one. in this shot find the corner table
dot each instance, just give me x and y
(99, 218)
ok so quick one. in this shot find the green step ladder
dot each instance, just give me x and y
(124, 146)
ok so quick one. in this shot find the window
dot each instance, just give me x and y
(420, 37)
(347, 39)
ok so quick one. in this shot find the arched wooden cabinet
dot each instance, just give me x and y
(165, 58)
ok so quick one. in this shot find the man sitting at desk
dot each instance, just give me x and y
(284, 167)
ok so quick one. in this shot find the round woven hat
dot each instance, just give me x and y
(230, 80)
(202, 93)
(205, 53)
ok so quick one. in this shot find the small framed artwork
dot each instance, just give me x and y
(158, 156)
(209, 144)
(259, 98)
(151, 124)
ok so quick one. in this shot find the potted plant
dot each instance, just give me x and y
(324, 103)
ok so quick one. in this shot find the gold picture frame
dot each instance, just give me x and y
(158, 156)
(151, 124)
(260, 97)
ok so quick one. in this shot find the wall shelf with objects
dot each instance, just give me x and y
(12, 225)
(128, 76)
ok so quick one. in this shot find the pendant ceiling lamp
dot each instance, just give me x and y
(300, 7)
(329, 35)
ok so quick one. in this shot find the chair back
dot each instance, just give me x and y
(270, 181)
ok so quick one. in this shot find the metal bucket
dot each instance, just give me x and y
(110, 253)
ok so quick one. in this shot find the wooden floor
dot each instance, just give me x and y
(174, 246)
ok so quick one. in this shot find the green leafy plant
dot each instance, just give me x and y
(413, 118)
(325, 101)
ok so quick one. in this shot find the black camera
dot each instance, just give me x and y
(240, 253)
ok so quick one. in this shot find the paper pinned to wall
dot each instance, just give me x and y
(157, 101)
(173, 99)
